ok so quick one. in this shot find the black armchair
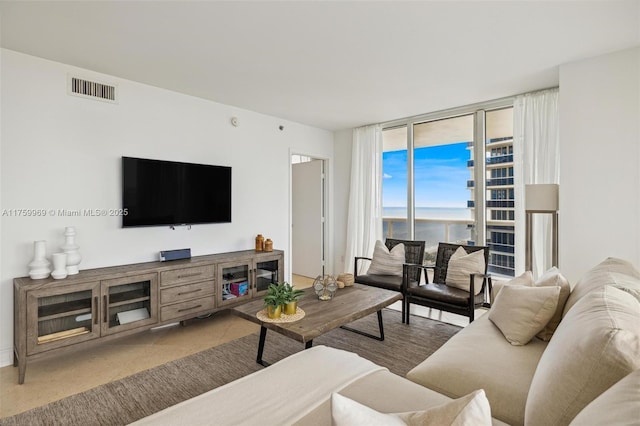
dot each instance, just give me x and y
(414, 256)
(438, 295)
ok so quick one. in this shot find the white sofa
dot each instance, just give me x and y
(588, 373)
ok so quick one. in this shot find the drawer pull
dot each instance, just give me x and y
(94, 310)
(195, 274)
(188, 309)
(189, 292)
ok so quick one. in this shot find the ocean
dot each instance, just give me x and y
(433, 231)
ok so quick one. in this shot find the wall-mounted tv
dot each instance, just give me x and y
(156, 192)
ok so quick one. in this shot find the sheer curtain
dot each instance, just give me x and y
(536, 151)
(364, 223)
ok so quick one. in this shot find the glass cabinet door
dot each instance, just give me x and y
(235, 282)
(129, 302)
(268, 271)
(62, 316)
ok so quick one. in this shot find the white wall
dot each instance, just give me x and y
(343, 142)
(600, 161)
(63, 152)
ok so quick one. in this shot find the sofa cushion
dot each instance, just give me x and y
(385, 261)
(324, 370)
(596, 344)
(390, 282)
(472, 409)
(520, 312)
(618, 405)
(444, 293)
(479, 357)
(612, 271)
(461, 266)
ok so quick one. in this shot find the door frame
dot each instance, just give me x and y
(328, 217)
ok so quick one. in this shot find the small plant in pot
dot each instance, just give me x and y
(292, 295)
(274, 300)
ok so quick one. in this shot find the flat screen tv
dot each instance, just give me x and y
(156, 192)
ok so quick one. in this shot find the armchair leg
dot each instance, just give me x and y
(408, 310)
(404, 306)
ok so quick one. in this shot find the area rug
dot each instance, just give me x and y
(139, 395)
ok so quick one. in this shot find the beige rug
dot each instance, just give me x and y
(144, 393)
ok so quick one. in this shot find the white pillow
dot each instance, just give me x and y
(385, 262)
(470, 410)
(554, 278)
(551, 278)
(520, 312)
(461, 265)
(524, 279)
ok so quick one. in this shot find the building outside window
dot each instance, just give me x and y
(431, 183)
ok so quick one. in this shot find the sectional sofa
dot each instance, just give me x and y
(584, 370)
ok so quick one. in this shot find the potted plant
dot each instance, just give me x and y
(274, 300)
(291, 295)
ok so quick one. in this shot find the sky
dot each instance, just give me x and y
(440, 175)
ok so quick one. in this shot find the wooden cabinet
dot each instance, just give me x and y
(128, 303)
(60, 316)
(185, 292)
(100, 304)
(244, 279)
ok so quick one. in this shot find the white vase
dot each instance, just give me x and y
(59, 265)
(70, 248)
(39, 267)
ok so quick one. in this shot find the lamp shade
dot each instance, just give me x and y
(541, 197)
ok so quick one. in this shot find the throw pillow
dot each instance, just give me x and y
(385, 262)
(461, 266)
(520, 312)
(553, 278)
(472, 409)
(524, 279)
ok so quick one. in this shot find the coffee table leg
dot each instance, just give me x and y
(308, 344)
(263, 336)
(364, 333)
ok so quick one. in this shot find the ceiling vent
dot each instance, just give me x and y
(92, 89)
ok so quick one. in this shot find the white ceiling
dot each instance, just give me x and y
(332, 65)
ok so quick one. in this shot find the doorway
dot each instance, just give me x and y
(308, 225)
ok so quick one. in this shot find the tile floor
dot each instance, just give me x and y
(50, 379)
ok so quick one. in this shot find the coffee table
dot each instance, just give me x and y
(348, 305)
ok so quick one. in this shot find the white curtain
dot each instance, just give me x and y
(364, 223)
(536, 151)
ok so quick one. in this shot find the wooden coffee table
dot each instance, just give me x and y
(348, 305)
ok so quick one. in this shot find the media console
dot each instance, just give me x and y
(53, 316)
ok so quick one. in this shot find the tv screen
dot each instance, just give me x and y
(156, 192)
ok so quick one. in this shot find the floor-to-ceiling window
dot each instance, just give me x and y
(439, 168)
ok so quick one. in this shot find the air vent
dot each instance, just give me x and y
(92, 89)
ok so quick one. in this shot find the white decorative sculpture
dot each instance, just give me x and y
(70, 248)
(39, 267)
(59, 266)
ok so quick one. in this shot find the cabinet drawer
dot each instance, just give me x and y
(185, 308)
(187, 275)
(186, 292)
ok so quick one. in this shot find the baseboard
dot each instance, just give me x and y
(6, 357)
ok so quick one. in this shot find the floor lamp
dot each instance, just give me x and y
(541, 198)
